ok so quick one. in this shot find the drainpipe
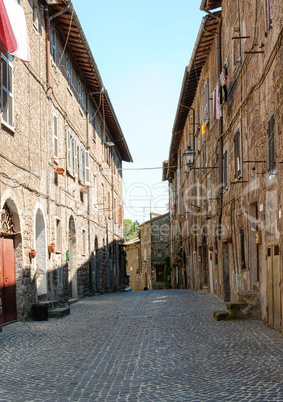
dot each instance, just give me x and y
(47, 23)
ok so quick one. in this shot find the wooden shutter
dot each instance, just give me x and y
(271, 144)
(81, 166)
(120, 215)
(206, 101)
(237, 154)
(55, 137)
(115, 212)
(225, 170)
(86, 160)
(75, 155)
(109, 205)
(7, 99)
(69, 152)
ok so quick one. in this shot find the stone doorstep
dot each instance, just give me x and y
(59, 312)
(221, 315)
(237, 309)
(72, 301)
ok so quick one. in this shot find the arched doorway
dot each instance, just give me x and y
(10, 258)
(72, 264)
(41, 255)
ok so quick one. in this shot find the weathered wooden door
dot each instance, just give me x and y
(273, 286)
(226, 275)
(159, 272)
(210, 272)
(7, 281)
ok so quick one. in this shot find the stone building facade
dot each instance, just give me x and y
(145, 255)
(61, 185)
(226, 207)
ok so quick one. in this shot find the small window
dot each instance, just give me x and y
(69, 72)
(75, 156)
(84, 242)
(271, 145)
(237, 154)
(58, 235)
(55, 137)
(53, 46)
(7, 96)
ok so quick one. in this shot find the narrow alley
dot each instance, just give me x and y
(142, 346)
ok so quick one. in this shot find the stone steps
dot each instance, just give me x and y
(235, 310)
(72, 301)
(59, 312)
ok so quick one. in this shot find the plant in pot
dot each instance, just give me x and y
(32, 253)
(51, 248)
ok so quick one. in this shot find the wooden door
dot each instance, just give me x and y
(8, 281)
(273, 286)
(210, 273)
(226, 274)
(159, 273)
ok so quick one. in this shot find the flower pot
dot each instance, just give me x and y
(60, 171)
(32, 253)
(83, 189)
(51, 248)
(210, 248)
(229, 239)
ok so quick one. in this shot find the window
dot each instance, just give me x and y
(271, 145)
(84, 242)
(225, 170)
(237, 154)
(35, 15)
(53, 46)
(55, 137)
(81, 164)
(58, 235)
(81, 95)
(209, 194)
(75, 155)
(268, 19)
(236, 45)
(69, 72)
(206, 101)
(7, 97)
(243, 259)
(93, 129)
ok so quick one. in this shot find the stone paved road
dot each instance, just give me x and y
(142, 346)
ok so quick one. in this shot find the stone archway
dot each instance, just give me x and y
(41, 255)
(72, 264)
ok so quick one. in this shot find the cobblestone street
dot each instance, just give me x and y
(142, 346)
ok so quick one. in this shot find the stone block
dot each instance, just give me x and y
(238, 309)
(59, 312)
(221, 315)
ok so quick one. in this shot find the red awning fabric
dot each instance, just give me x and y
(6, 32)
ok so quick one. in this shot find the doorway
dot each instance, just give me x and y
(72, 265)
(210, 272)
(41, 255)
(273, 286)
(8, 281)
(226, 275)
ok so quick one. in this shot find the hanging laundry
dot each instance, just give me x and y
(203, 129)
(6, 32)
(216, 104)
(18, 22)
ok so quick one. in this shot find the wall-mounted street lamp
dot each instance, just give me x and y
(189, 155)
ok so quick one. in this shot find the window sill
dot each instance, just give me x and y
(8, 127)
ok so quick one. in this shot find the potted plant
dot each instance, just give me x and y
(229, 239)
(51, 248)
(32, 253)
(210, 248)
(60, 171)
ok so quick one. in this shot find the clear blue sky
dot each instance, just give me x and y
(141, 50)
